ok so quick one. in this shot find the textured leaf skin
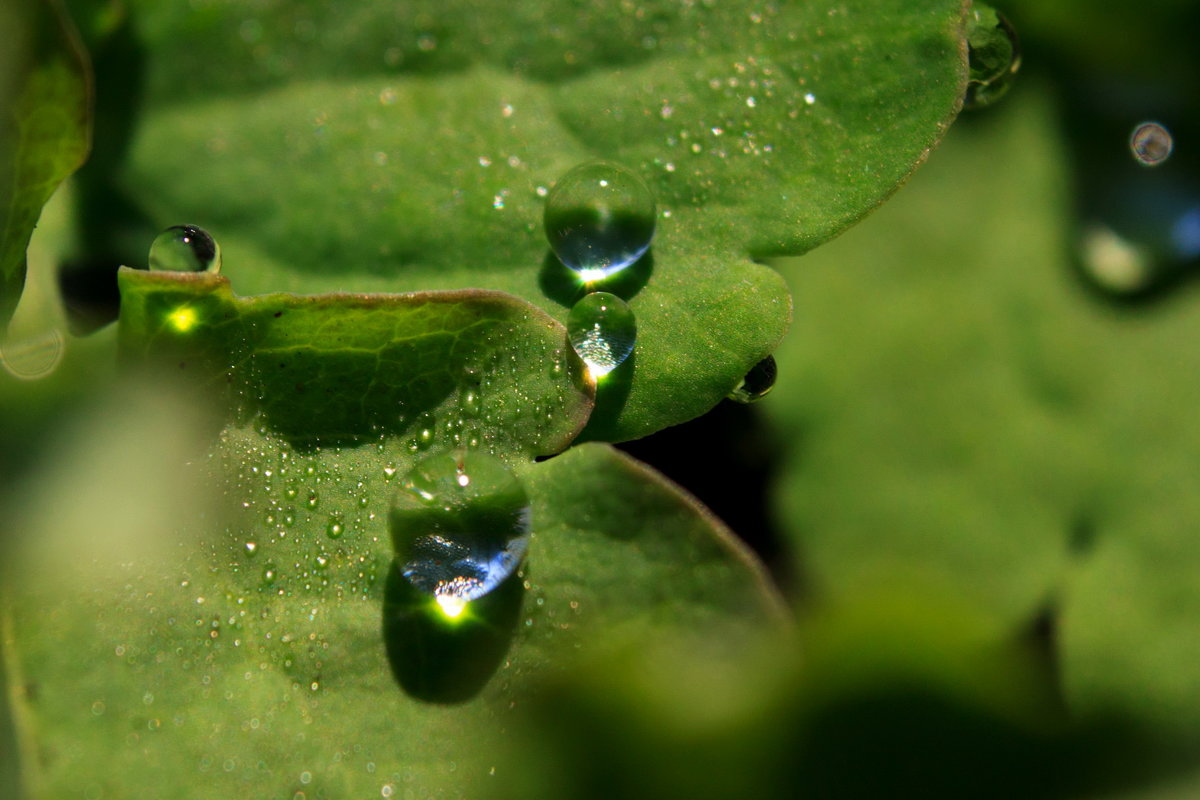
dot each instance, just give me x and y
(208, 687)
(410, 148)
(333, 369)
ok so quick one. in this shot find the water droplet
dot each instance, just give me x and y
(460, 526)
(185, 248)
(994, 55)
(602, 329)
(1151, 144)
(599, 219)
(757, 384)
(336, 527)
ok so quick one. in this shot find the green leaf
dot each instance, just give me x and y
(44, 126)
(962, 413)
(323, 370)
(403, 150)
(163, 661)
(932, 387)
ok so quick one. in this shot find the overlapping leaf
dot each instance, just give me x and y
(409, 148)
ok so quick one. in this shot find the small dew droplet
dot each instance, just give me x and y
(599, 219)
(336, 527)
(602, 330)
(757, 384)
(185, 248)
(994, 56)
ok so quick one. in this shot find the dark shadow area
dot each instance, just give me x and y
(915, 741)
(1040, 639)
(114, 231)
(89, 293)
(562, 285)
(612, 392)
(441, 660)
(1136, 241)
(728, 459)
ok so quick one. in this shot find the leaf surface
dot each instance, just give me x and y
(193, 665)
(44, 126)
(409, 149)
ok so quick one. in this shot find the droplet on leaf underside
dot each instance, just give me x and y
(185, 248)
(599, 219)
(759, 381)
(460, 527)
(603, 330)
(994, 56)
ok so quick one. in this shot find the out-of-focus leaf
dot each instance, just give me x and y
(963, 413)
(44, 125)
(185, 667)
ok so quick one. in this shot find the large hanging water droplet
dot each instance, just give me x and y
(1151, 144)
(185, 248)
(460, 526)
(602, 329)
(599, 219)
(994, 56)
(759, 381)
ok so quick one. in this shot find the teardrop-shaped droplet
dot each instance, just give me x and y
(599, 219)
(460, 526)
(1151, 144)
(758, 382)
(185, 248)
(994, 56)
(602, 329)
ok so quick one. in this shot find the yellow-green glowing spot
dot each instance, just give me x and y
(183, 319)
(451, 605)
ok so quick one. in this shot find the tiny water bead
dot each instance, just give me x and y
(460, 527)
(185, 248)
(759, 381)
(602, 329)
(599, 219)
(1151, 144)
(994, 56)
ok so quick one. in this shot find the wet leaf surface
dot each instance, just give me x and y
(411, 150)
(195, 663)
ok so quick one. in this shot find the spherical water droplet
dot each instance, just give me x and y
(460, 526)
(185, 248)
(602, 329)
(336, 527)
(1151, 144)
(994, 56)
(599, 219)
(759, 381)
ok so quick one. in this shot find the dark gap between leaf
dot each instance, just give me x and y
(564, 287)
(727, 459)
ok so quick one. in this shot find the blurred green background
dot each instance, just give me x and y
(974, 480)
